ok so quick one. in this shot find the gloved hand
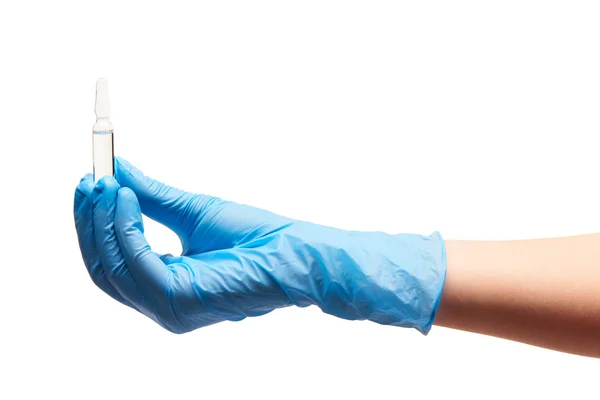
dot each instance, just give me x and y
(239, 261)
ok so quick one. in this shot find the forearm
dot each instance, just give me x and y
(544, 292)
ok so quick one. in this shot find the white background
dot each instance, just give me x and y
(480, 121)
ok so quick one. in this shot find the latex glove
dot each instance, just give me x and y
(240, 261)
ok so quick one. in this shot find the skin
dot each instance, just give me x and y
(543, 292)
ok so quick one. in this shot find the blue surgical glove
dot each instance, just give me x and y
(239, 261)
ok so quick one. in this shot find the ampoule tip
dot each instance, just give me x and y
(102, 107)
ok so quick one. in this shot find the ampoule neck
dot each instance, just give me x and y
(102, 125)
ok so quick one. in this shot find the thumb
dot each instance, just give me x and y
(165, 204)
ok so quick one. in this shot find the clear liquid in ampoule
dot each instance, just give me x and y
(103, 155)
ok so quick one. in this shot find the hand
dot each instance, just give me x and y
(239, 261)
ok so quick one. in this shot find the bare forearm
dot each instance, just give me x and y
(544, 292)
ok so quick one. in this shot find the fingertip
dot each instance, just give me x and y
(128, 201)
(127, 194)
(85, 187)
(107, 184)
(125, 172)
(104, 194)
(87, 177)
(122, 161)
